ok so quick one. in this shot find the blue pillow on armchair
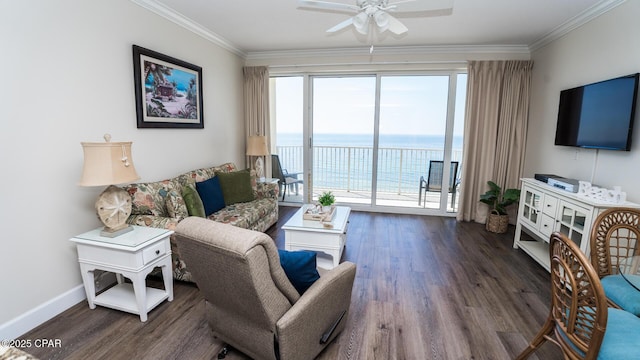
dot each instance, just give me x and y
(300, 267)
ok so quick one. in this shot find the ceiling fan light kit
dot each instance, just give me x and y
(378, 10)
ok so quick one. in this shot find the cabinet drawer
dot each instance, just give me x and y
(550, 205)
(547, 226)
(153, 252)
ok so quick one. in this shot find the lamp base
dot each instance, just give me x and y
(110, 233)
(113, 208)
(259, 167)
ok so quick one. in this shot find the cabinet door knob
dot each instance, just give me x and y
(157, 252)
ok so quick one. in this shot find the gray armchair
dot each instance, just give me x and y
(250, 303)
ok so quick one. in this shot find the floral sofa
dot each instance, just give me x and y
(161, 204)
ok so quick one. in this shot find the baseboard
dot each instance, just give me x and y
(24, 323)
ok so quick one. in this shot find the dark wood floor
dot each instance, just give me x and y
(425, 288)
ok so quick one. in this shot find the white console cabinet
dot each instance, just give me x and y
(544, 209)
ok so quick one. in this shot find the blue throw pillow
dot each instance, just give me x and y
(211, 194)
(300, 267)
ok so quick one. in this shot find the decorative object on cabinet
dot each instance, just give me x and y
(110, 163)
(498, 218)
(614, 196)
(579, 321)
(168, 91)
(544, 209)
(257, 146)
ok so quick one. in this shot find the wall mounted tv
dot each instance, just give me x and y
(598, 115)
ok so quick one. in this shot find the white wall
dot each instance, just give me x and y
(604, 48)
(68, 77)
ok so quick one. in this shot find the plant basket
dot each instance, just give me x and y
(497, 223)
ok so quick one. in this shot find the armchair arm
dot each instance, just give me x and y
(302, 330)
(267, 190)
(153, 221)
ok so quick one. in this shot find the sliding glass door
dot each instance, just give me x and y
(343, 132)
(386, 141)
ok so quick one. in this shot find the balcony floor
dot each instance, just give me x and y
(383, 199)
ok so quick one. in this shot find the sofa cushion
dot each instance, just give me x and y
(176, 208)
(236, 187)
(300, 267)
(195, 206)
(211, 194)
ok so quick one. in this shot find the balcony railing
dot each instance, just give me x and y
(350, 168)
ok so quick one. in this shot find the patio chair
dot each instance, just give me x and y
(287, 180)
(434, 181)
(579, 321)
(614, 236)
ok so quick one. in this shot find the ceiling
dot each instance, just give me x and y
(254, 26)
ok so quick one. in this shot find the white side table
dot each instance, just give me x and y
(132, 255)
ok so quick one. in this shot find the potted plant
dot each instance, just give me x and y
(498, 218)
(326, 200)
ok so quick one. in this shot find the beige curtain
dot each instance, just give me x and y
(495, 131)
(256, 107)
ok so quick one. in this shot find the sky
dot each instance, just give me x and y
(409, 104)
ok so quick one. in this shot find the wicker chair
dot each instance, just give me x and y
(614, 237)
(580, 322)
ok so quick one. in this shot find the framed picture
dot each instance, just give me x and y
(168, 91)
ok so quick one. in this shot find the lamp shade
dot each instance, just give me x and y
(107, 163)
(257, 146)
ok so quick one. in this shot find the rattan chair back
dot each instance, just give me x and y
(578, 316)
(614, 236)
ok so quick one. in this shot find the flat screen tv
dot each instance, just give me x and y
(598, 115)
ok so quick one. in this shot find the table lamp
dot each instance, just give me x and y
(257, 146)
(110, 163)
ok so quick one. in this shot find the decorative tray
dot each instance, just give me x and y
(315, 212)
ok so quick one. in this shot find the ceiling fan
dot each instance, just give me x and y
(378, 12)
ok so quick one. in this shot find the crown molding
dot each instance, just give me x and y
(392, 50)
(581, 19)
(574, 23)
(181, 20)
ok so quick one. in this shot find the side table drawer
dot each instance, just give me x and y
(153, 252)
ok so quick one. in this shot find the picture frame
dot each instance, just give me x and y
(168, 91)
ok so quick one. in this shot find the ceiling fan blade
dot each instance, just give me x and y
(396, 27)
(341, 26)
(422, 7)
(326, 5)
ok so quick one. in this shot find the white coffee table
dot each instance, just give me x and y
(326, 240)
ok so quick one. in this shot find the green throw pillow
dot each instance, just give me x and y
(195, 207)
(236, 187)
